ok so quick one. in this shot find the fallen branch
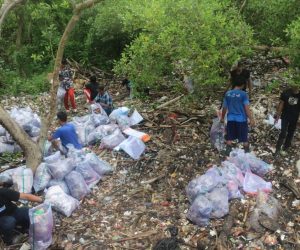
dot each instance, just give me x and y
(139, 236)
(153, 179)
(167, 103)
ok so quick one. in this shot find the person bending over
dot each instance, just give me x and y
(11, 216)
(236, 105)
(66, 133)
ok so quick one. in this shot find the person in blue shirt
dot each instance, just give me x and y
(236, 105)
(66, 133)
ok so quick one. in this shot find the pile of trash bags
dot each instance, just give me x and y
(28, 120)
(109, 131)
(211, 192)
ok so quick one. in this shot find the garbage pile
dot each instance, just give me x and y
(211, 192)
(28, 120)
(97, 127)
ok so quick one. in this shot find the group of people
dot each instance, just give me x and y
(236, 106)
(94, 92)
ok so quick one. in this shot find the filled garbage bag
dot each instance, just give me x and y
(6, 148)
(123, 121)
(113, 140)
(117, 113)
(219, 199)
(2, 131)
(200, 210)
(53, 158)
(101, 167)
(41, 226)
(61, 168)
(98, 119)
(76, 184)
(233, 190)
(257, 166)
(90, 176)
(238, 158)
(60, 201)
(203, 184)
(60, 93)
(83, 131)
(231, 172)
(22, 179)
(63, 185)
(41, 177)
(253, 183)
(217, 133)
(133, 146)
(6, 176)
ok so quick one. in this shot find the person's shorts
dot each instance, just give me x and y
(237, 131)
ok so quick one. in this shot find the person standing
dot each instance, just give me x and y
(236, 106)
(288, 110)
(66, 133)
(240, 74)
(12, 216)
(91, 89)
(104, 99)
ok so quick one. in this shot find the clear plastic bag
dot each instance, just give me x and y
(60, 183)
(6, 148)
(101, 167)
(118, 112)
(2, 131)
(253, 183)
(219, 199)
(217, 133)
(60, 168)
(231, 172)
(53, 158)
(23, 179)
(96, 108)
(135, 118)
(233, 190)
(203, 184)
(98, 119)
(123, 121)
(41, 177)
(83, 132)
(60, 201)
(238, 158)
(60, 93)
(41, 226)
(76, 184)
(133, 146)
(89, 174)
(257, 166)
(94, 138)
(113, 140)
(200, 210)
(268, 205)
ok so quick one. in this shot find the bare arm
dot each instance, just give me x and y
(224, 111)
(279, 109)
(30, 197)
(249, 115)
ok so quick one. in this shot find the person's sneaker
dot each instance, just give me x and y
(67, 110)
(283, 153)
(75, 110)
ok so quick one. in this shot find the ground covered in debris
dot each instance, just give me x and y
(144, 202)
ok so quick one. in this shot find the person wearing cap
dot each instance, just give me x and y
(288, 110)
(104, 99)
(66, 133)
(13, 217)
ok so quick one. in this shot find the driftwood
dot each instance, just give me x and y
(167, 103)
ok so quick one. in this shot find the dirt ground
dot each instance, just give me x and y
(144, 201)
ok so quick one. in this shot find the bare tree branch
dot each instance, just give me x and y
(6, 7)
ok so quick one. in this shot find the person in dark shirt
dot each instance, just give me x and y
(12, 216)
(91, 89)
(288, 110)
(240, 74)
(104, 99)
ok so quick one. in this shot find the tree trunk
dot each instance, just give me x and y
(33, 153)
(32, 150)
(59, 55)
(6, 7)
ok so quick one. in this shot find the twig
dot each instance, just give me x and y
(139, 236)
(153, 179)
(167, 103)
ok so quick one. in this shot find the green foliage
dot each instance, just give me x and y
(269, 18)
(197, 38)
(293, 32)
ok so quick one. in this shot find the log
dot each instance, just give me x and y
(167, 103)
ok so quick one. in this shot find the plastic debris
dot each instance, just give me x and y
(41, 226)
(253, 183)
(217, 133)
(77, 186)
(60, 168)
(200, 211)
(22, 178)
(41, 177)
(113, 140)
(133, 146)
(60, 201)
(101, 167)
